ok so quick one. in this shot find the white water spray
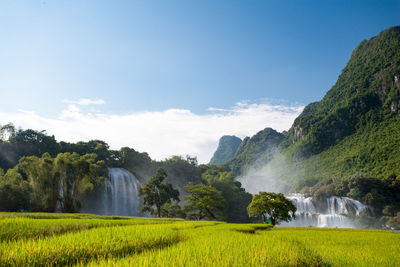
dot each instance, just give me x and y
(336, 214)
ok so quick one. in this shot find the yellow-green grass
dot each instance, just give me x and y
(224, 245)
(14, 226)
(184, 243)
(86, 245)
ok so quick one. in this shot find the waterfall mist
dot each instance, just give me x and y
(273, 176)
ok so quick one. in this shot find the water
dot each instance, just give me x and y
(336, 212)
(119, 195)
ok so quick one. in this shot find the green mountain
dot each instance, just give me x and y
(227, 146)
(354, 129)
(256, 151)
(346, 144)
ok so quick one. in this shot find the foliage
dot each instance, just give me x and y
(236, 197)
(14, 191)
(365, 90)
(392, 222)
(204, 202)
(157, 193)
(227, 147)
(61, 182)
(274, 205)
(181, 171)
(172, 210)
(132, 160)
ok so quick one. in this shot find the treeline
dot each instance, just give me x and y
(15, 144)
(50, 184)
(37, 173)
(217, 197)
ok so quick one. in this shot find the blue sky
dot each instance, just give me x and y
(153, 56)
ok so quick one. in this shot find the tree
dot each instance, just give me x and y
(157, 193)
(60, 183)
(205, 202)
(78, 175)
(274, 205)
(43, 180)
(7, 131)
(172, 210)
(236, 197)
(14, 191)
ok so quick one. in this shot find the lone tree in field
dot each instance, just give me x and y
(157, 193)
(204, 202)
(275, 206)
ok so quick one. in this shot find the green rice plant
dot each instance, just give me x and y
(87, 245)
(224, 245)
(14, 228)
(48, 215)
(349, 247)
(149, 242)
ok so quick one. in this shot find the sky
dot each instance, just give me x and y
(171, 77)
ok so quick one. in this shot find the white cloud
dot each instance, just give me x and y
(160, 133)
(85, 101)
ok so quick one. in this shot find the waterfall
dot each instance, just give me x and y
(119, 195)
(338, 212)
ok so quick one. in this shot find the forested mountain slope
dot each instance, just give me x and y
(256, 151)
(346, 144)
(354, 129)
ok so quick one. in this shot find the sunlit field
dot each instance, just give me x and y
(29, 239)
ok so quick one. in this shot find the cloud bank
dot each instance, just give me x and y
(159, 133)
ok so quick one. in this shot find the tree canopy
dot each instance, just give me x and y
(156, 193)
(236, 197)
(204, 202)
(274, 206)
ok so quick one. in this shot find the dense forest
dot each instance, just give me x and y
(37, 173)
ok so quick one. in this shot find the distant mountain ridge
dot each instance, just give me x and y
(256, 150)
(227, 147)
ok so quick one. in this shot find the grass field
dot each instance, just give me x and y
(40, 239)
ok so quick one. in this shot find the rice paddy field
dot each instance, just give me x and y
(40, 239)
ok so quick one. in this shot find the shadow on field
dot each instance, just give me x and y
(253, 229)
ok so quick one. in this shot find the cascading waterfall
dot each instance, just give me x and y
(338, 210)
(119, 195)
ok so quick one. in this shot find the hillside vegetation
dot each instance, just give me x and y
(353, 133)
